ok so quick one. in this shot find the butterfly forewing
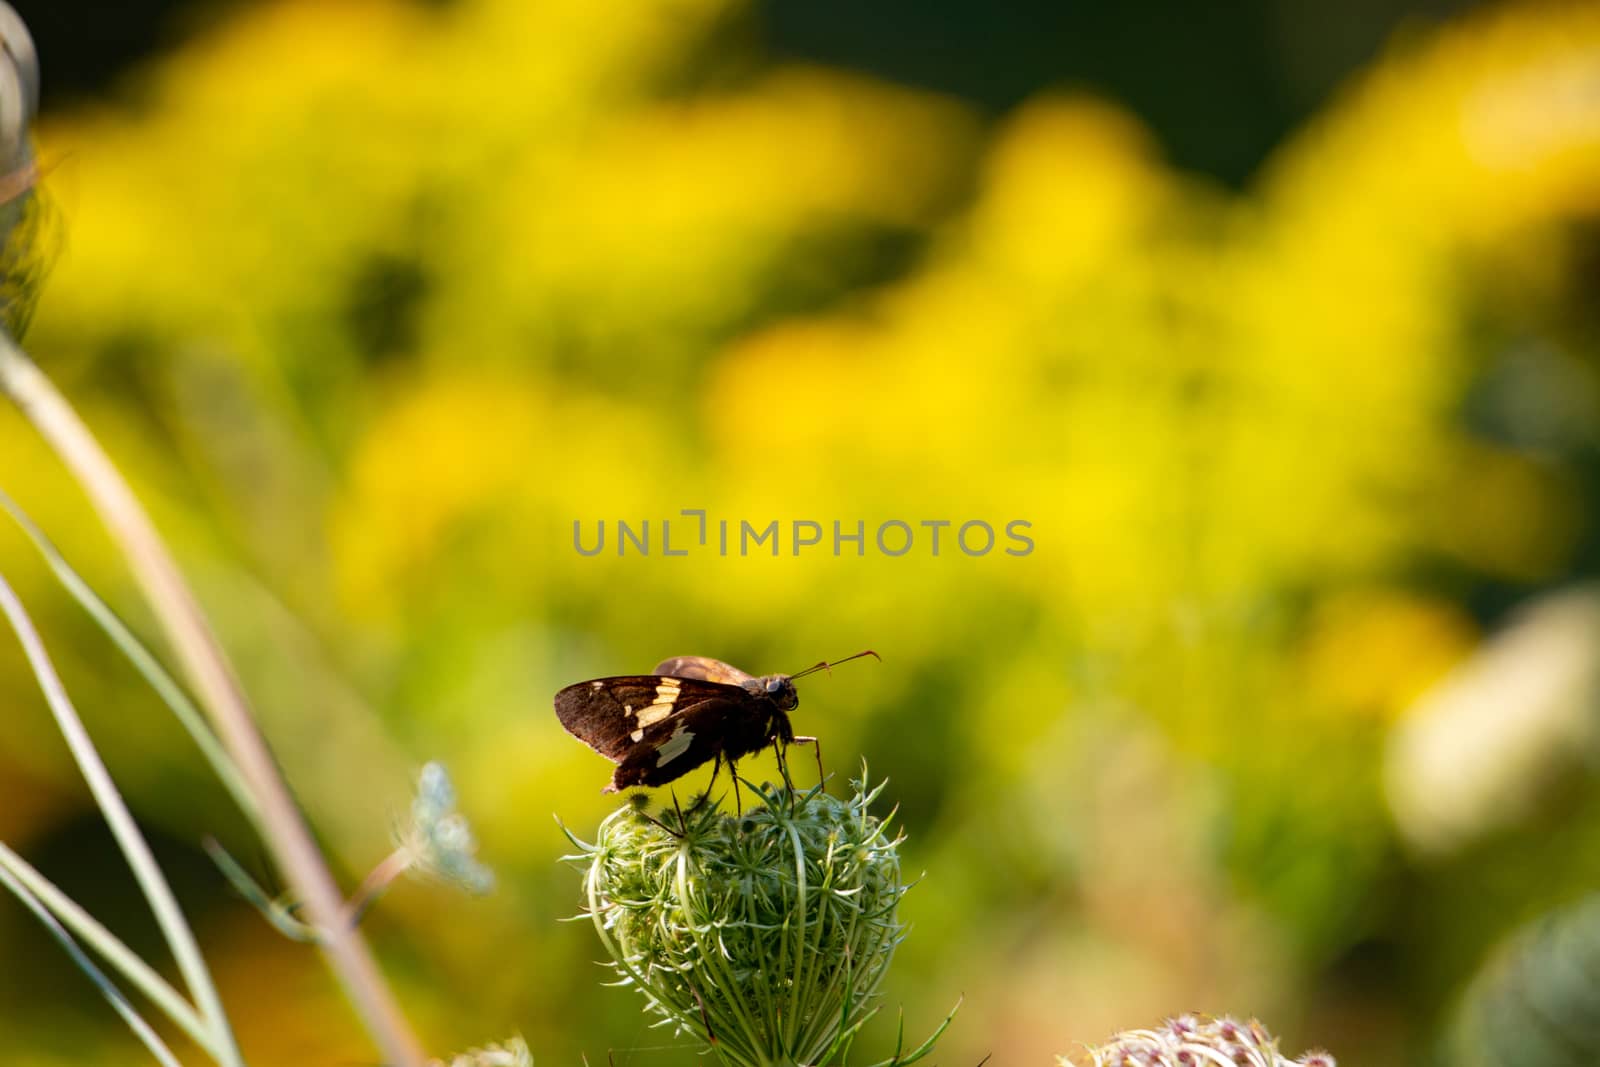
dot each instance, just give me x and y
(615, 716)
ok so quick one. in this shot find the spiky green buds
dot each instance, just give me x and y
(763, 935)
(1191, 1042)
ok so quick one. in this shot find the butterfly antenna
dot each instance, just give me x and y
(826, 666)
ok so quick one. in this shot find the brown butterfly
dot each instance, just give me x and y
(657, 727)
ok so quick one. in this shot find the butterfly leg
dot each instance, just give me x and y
(705, 1019)
(779, 749)
(706, 796)
(781, 737)
(817, 745)
(716, 769)
(733, 772)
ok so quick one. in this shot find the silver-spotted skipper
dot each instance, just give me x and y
(658, 727)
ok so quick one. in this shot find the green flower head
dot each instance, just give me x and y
(763, 935)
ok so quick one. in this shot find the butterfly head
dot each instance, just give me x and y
(778, 688)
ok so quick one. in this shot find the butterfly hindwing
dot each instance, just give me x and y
(704, 668)
(678, 744)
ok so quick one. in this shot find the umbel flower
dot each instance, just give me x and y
(437, 839)
(513, 1053)
(764, 935)
(1191, 1042)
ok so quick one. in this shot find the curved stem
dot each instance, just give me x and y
(220, 695)
(119, 1003)
(143, 863)
(377, 880)
(113, 951)
(143, 660)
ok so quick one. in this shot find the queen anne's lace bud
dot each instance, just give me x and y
(764, 935)
(1188, 1041)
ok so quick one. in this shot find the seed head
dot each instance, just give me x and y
(763, 935)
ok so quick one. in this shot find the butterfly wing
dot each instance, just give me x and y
(678, 744)
(704, 668)
(619, 716)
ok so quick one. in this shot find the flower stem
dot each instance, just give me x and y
(143, 863)
(143, 660)
(373, 885)
(112, 950)
(119, 1003)
(220, 695)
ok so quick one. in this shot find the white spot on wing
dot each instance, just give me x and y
(674, 746)
(597, 685)
(637, 735)
(627, 709)
(654, 713)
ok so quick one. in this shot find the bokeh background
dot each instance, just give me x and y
(1280, 327)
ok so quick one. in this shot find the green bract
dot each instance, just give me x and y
(764, 935)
